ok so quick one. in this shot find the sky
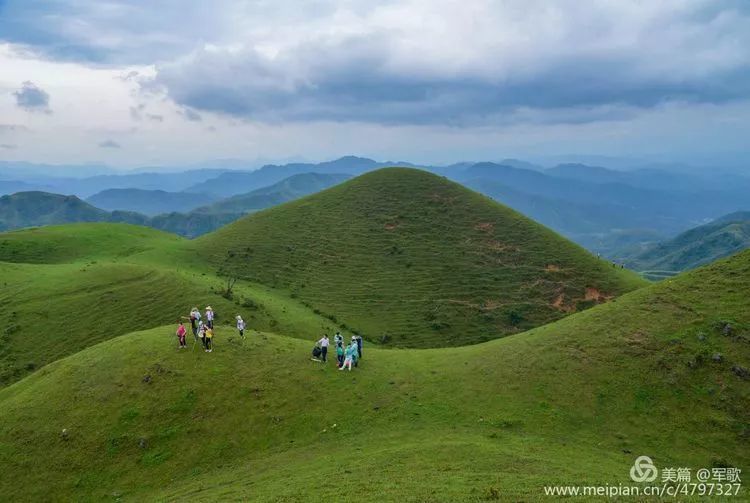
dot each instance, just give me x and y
(170, 82)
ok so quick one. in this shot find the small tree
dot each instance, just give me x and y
(228, 293)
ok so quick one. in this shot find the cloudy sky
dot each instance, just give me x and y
(174, 81)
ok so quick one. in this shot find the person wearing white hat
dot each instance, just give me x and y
(209, 317)
(195, 317)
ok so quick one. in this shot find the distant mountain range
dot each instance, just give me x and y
(87, 187)
(612, 212)
(231, 183)
(149, 202)
(723, 237)
(591, 205)
(29, 209)
(286, 190)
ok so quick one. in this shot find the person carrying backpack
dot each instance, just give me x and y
(181, 335)
(199, 337)
(241, 326)
(195, 317)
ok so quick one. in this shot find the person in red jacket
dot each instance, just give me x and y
(181, 335)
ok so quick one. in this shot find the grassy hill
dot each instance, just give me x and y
(411, 259)
(698, 246)
(573, 402)
(291, 188)
(155, 208)
(65, 288)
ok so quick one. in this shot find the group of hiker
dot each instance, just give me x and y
(203, 333)
(346, 356)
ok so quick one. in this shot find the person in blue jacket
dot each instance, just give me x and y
(349, 354)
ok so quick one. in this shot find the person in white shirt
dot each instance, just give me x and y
(323, 342)
(209, 317)
(241, 326)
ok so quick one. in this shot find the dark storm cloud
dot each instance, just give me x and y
(406, 62)
(32, 98)
(353, 82)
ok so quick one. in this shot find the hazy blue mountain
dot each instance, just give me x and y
(148, 202)
(652, 178)
(294, 187)
(670, 211)
(587, 173)
(28, 209)
(25, 171)
(169, 182)
(88, 186)
(13, 186)
(568, 218)
(239, 182)
(704, 244)
(520, 164)
(620, 245)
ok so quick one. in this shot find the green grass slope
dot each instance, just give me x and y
(411, 259)
(65, 288)
(573, 402)
(698, 246)
(90, 241)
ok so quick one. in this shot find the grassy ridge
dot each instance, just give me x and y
(91, 241)
(254, 420)
(411, 259)
(69, 287)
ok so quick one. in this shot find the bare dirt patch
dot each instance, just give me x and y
(552, 268)
(595, 295)
(484, 226)
(559, 304)
(391, 226)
